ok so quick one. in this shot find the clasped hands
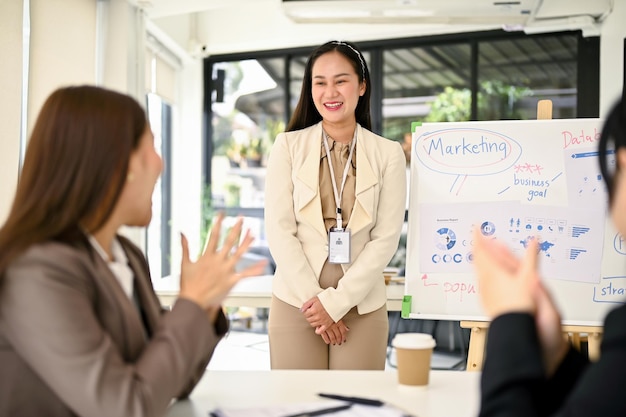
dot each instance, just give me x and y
(318, 317)
(508, 284)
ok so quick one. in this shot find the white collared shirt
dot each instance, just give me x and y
(119, 266)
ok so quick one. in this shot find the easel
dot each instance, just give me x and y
(575, 334)
(478, 334)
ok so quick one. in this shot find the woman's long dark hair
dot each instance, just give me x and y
(75, 167)
(306, 114)
(612, 138)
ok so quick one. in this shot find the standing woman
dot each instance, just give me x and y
(81, 329)
(335, 203)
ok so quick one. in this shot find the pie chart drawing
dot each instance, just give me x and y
(487, 228)
(445, 239)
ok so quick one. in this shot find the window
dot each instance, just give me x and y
(160, 85)
(413, 80)
(159, 239)
(513, 74)
(247, 112)
(477, 76)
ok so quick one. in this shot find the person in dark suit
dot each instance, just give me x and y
(82, 332)
(530, 369)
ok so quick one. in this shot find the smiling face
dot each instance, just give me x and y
(335, 88)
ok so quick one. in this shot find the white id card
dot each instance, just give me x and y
(339, 246)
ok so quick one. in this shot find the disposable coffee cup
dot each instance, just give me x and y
(413, 352)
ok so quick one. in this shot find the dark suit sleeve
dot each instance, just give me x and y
(512, 378)
(513, 382)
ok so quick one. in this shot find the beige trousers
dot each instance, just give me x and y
(294, 344)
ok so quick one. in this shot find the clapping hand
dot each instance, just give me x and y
(508, 284)
(208, 280)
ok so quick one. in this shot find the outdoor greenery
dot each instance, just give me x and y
(451, 105)
(254, 150)
(207, 213)
(496, 101)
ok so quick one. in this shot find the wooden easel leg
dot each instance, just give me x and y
(476, 352)
(593, 345)
(593, 336)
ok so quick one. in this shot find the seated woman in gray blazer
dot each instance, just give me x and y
(81, 329)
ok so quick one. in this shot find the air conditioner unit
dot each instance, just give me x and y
(414, 11)
(512, 14)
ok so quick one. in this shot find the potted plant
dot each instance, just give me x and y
(235, 153)
(254, 153)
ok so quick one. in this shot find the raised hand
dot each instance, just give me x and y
(208, 280)
(553, 344)
(506, 284)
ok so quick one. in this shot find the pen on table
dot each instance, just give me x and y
(354, 400)
(322, 411)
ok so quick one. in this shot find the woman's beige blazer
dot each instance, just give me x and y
(295, 229)
(73, 343)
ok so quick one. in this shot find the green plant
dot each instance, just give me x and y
(235, 151)
(451, 105)
(498, 101)
(255, 149)
(495, 101)
(273, 128)
(206, 214)
(232, 196)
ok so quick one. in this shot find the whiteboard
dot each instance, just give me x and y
(515, 180)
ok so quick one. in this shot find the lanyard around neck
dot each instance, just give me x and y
(339, 193)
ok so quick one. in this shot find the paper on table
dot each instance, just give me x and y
(283, 410)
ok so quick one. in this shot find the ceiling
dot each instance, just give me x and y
(537, 62)
(221, 26)
(439, 8)
(163, 8)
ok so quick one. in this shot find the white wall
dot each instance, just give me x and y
(10, 91)
(187, 161)
(612, 57)
(265, 28)
(62, 52)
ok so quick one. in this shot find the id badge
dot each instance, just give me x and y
(339, 246)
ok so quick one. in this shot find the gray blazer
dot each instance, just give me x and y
(73, 343)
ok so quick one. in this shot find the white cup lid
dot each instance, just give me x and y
(413, 341)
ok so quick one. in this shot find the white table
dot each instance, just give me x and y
(257, 292)
(449, 394)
